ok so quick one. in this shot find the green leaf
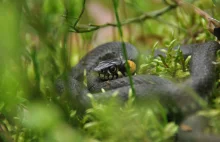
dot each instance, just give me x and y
(72, 113)
(170, 130)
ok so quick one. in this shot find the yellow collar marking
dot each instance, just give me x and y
(132, 66)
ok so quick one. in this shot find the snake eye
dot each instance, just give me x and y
(112, 69)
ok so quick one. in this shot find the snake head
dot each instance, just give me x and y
(103, 65)
(109, 68)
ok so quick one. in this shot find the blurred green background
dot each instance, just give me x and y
(36, 47)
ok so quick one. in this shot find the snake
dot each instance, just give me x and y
(180, 96)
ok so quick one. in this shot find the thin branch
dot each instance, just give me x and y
(80, 15)
(141, 18)
(213, 23)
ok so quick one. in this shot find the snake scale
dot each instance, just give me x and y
(171, 95)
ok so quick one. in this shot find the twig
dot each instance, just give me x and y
(212, 23)
(141, 18)
(80, 15)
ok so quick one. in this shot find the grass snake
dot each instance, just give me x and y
(182, 96)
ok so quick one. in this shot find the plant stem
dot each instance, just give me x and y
(115, 4)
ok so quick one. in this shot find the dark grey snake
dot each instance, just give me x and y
(180, 96)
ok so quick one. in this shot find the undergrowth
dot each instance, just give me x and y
(110, 121)
(169, 63)
(40, 40)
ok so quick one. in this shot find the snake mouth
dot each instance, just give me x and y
(109, 70)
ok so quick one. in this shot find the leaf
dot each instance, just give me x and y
(171, 44)
(154, 48)
(170, 129)
(72, 113)
(164, 61)
(90, 125)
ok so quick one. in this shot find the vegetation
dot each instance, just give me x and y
(43, 39)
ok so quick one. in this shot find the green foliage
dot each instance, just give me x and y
(112, 122)
(36, 48)
(11, 89)
(171, 65)
(214, 115)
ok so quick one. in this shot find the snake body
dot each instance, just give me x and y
(148, 86)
